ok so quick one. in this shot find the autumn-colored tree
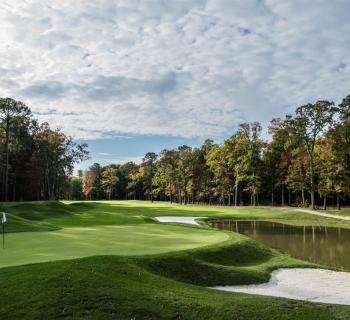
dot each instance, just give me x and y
(298, 176)
(165, 176)
(88, 183)
(235, 148)
(149, 163)
(135, 186)
(310, 122)
(109, 180)
(277, 156)
(222, 175)
(57, 154)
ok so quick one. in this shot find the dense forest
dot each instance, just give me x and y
(37, 161)
(306, 162)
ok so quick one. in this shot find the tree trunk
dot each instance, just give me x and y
(53, 190)
(303, 196)
(272, 198)
(325, 203)
(236, 191)
(6, 171)
(14, 188)
(289, 197)
(312, 180)
(338, 201)
(48, 184)
(282, 195)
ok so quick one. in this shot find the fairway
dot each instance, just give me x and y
(125, 240)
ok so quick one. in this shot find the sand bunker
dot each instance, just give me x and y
(189, 220)
(316, 285)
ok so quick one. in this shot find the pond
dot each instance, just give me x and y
(318, 244)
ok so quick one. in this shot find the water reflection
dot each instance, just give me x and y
(319, 244)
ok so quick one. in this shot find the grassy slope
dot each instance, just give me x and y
(118, 288)
(144, 287)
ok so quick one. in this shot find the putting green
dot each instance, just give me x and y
(126, 240)
(124, 228)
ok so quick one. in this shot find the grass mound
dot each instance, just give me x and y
(242, 253)
(17, 224)
(110, 287)
(31, 216)
(41, 210)
(27, 217)
(241, 261)
(189, 270)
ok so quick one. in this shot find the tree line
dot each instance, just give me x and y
(37, 161)
(305, 162)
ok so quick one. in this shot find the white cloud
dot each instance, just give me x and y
(187, 68)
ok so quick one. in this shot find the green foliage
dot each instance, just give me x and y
(37, 161)
(109, 179)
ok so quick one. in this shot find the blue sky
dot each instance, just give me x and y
(132, 148)
(131, 76)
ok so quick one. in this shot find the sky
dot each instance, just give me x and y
(131, 76)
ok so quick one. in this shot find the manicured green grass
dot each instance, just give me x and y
(124, 240)
(55, 215)
(238, 261)
(138, 268)
(118, 288)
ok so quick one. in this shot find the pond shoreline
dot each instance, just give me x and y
(307, 284)
(322, 245)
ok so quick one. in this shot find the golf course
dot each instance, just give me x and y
(114, 260)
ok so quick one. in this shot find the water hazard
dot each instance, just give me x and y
(318, 244)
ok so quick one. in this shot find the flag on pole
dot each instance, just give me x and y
(3, 217)
(3, 228)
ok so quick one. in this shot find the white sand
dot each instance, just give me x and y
(189, 220)
(316, 285)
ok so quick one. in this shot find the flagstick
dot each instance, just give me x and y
(3, 235)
